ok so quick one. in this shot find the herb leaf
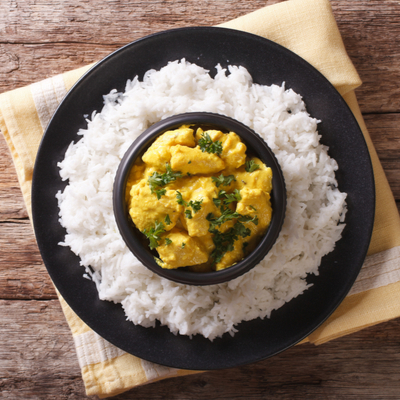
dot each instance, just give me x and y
(224, 242)
(179, 198)
(223, 180)
(251, 166)
(168, 241)
(167, 220)
(231, 197)
(188, 214)
(158, 180)
(160, 193)
(196, 205)
(207, 145)
(153, 234)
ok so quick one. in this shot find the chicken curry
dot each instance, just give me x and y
(199, 199)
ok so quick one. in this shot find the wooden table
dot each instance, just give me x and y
(37, 357)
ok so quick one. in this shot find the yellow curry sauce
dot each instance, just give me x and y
(198, 198)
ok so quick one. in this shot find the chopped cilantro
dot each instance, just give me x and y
(160, 193)
(223, 180)
(224, 242)
(251, 166)
(188, 214)
(158, 180)
(167, 220)
(196, 205)
(235, 196)
(153, 234)
(207, 145)
(227, 215)
(179, 198)
(183, 245)
(168, 241)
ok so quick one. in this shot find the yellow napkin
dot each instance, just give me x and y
(308, 28)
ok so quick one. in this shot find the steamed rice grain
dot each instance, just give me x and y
(314, 215)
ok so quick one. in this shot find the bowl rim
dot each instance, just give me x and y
(257, 146)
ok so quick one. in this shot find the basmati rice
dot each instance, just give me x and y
(314, 215)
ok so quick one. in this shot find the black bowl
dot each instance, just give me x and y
(255, 146)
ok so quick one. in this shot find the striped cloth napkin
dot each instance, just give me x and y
(308, 28)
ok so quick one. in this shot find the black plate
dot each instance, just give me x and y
(268, 63)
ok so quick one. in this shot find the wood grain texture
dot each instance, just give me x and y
(41, 38)
(40, 363)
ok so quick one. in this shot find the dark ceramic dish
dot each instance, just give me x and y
(268, 63)
(255, 146)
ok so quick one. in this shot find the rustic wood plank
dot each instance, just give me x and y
(39, 362)
(12, 205)
(57, 37)
(22, 272)
(370, 31)
(37, 352)
(385, 133)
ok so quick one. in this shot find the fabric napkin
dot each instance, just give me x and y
(308, 28)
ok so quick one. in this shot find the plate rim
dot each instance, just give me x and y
(94, 68)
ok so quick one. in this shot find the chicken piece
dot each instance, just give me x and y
(258, 179)
(255, 202)
(178, 249)
(135, 176)
(233, 149)
(145, 208)
(231, 257)
(197, 197)
(159, 153)
(194, 161)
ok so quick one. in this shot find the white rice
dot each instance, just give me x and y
(315, 207)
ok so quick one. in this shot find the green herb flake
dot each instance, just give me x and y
(225, 242)
(196, 205)
(251, 166)
(168, 241)
(188, 214)
(231, 197)
(160, 193)
(223, 180)
(158, 180)
(153, 234)
(179, 198)
(167, 220)
(183, 245)
(207, 145)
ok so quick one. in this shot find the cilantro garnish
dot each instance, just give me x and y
(251, 166)
(231, 197)
(179, 198)
(207, 145)
(159, 193)
(224, 242)
(195, 205)
(167, 219)
(168, 241)
(188, 214)
(223, 180)
(153, 234)
(157, 180)
(227, 215)
(183, 245)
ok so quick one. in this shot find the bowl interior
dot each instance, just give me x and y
(255, 145)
